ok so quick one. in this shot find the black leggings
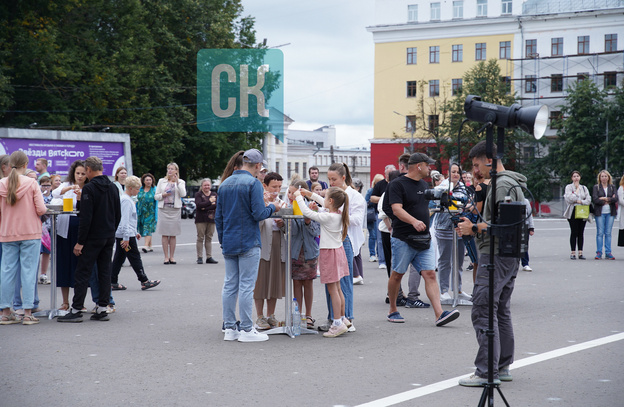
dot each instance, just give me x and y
(577, 228)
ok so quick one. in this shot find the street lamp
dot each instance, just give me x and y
(412, 126)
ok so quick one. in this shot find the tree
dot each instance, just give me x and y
(615, 117)
(124, 64)
(484, 80)
(581, 139)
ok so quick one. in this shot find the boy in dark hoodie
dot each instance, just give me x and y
(100, 214)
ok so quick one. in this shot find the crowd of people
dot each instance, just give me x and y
(407, 232)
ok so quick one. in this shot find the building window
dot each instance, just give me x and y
(583, 44)
(506, 6)
(411, 56)
(305, 169)
(458, 9)
(277, 167)
(531, 48)
(434, 55)
(504, 50)
(556, 83)
(480, 51)
(410, 123)
(555, 119)
(481, 8)
(582, 76)
(297, 168)
(433, 122)
(610, 80)
(434, 87)
(412, 13)
(506, 81)
(458, 53)
(530, 85)
(556, 47)
(411, 89)
(288, 169)
(456, 87)
(435, 11)
(610, 42)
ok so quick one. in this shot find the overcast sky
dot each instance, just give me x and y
(328, 62)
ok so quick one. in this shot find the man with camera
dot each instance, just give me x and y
(509, 183)
(409, 211)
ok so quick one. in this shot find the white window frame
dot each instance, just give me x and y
(506, 6)
(435, 11)
(482, 8)
(458, 9)
(412, 13)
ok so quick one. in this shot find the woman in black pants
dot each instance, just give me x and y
(576, 194)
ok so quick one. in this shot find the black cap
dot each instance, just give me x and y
(420, 158)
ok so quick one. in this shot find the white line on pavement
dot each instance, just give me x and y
(447, 384)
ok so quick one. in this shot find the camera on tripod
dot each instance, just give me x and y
(438, 194)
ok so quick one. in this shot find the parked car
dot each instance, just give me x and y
(188, 208)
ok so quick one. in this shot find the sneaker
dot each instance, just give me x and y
(336, 330)
(325, 327)
(504, 375)
(382, 266)
(475, 381)
(346, 321)
(262, 323)
(527, 268)
(573, 257)
(100, 316)
(446, 298)
(210, 260)
(396, 318)
(598, 256)
(581, 257)
(110, 308)
(416, 304)
(71, 317)
(609, 256)
(273, 322)
(372, 259)
(446, 317)
(43, 279)
(400, 302)
(464, 296)
(231, 334)
(470, 267)
(252, 336)
(351, 328)
(359, 280)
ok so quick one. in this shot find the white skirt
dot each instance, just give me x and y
(169, 221)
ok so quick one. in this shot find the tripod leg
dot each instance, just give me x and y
(484, 397)
(502, 396)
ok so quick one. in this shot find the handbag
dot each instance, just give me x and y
(370, 214)
(419, 242)
(581, 211)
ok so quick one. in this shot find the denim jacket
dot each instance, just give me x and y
(240, 208)
(303, 235)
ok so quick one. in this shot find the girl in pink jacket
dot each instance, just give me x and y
(21, 204)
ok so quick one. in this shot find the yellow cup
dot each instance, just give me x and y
(296, 209)
(68, 204)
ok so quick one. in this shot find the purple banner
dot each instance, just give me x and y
(62, 153)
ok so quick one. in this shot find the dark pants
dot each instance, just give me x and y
(94, 251)
(387, 250)
(577, 229)
(505, 272)
(133, 256)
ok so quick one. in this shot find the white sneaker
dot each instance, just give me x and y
(527, 268)
(464, 296)
(382, 266)
(43, 279)
(359, 280)
(231, 334)
(351, 328)
(252, 336)
(372, 259)
(446, 298)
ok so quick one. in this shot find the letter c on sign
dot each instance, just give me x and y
(216, 90)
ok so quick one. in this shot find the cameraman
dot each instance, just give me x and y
(505, 271)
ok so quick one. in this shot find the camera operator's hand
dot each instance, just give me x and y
(464, 228)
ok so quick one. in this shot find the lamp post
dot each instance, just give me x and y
(413, 128)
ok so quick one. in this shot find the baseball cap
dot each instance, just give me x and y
(252, 156)
(420, 158)
(265, 166)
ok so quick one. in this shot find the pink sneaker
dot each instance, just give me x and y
(346, 321)
(336, 330)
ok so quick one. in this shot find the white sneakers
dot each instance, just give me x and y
(243, 336)
(359, 280)
(527, 268)
(372, 259)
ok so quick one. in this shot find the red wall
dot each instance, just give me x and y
(388, 153)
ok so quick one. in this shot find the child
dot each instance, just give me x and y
(45, 184)
(316, 187)
(333, 260)
(127, 236)
(305, 253)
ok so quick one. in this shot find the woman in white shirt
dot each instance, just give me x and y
(169, 193)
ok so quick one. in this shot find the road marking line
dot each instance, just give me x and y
(447, 384)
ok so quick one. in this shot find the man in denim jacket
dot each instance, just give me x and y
(240, 208)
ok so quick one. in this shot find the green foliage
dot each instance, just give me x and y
(124, 64)
(581, 139)
(484, 80)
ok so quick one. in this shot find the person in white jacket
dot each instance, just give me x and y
(169, 193)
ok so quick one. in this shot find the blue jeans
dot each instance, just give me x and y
(372, 238)
(24, 254)
(95, 287)
(17, 295)
(346, 284)
(604, 224)
(381, 258)
(241, 272)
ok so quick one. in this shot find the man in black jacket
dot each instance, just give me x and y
(100, 214)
